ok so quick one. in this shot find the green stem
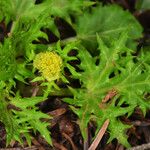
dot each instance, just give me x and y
(62, 93)
(13, 26)
(69, 40)
(66, 41)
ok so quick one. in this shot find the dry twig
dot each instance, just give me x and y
(99, 135)
(141, 147)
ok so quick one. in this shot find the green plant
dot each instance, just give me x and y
(106, 46)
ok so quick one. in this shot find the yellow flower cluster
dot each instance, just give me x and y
(49, 64)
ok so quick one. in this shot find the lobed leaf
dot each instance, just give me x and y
(116, 71)
(108, 22)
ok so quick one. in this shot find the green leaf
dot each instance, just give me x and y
(64, 54)
(64, 8)
(143, 4)
(116, 71)
(30, 116)
(13, 128)
(24, 103)
(27, 20)
(108, 22)
(118, 130)
(33, 117)
(17, 9)
(8, 63)
(19, 122)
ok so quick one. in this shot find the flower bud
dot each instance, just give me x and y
(49, 64)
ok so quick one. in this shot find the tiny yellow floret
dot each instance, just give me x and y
(49, 64)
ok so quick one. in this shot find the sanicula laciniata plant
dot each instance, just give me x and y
(104, 34)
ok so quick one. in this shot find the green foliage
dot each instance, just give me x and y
(8, 63)
(143, 4)
(16, 54)
(108, 22)
(23, 117)
(110, 68)
(116, 71)
(30, 117)
(16, 9)
(63, 8)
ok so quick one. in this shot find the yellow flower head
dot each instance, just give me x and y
(49, 64)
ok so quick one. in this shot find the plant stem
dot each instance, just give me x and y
(65, 41)
(62, 92)
(12, 28)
